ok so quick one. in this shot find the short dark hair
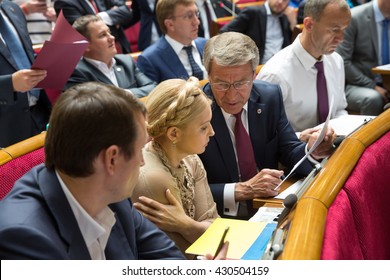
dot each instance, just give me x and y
(81, 24)
(86, 119)
(315, 8)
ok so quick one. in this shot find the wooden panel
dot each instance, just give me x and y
(26, 146)
(307, 220)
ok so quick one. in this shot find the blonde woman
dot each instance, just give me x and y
(173, 191)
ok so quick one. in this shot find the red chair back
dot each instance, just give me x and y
(357, 225)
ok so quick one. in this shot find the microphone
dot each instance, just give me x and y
(226, 8)
(288, 203)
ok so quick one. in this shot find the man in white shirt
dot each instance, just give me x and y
(293, 68)
(101, 62)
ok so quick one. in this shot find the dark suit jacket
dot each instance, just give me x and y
(160, 62)
(272, 137)
(37, 222)
(252, 21)
(142, 11)
(360, 47)
(16, 119)
(122, 16)
(219, 12)
(127, 73)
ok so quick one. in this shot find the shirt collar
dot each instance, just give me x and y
(177, 46)
(377, 13)
(91, 229)
(100, 64)
(303, 56)
(227, 115)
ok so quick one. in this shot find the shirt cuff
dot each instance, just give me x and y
(230, 206)
(105, 18)
(310, 158)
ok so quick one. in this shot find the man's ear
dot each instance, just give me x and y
(308, 23)
(168, 24)
(110, 157)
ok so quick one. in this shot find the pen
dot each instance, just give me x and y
(221, 242)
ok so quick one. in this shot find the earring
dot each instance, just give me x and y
(174, 144)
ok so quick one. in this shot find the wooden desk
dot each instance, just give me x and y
(385, 76)
(260, 202)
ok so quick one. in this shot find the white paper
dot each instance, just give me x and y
(315, 145)
(291, 189)
(266, 214)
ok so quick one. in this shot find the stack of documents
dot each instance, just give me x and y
(247, 240)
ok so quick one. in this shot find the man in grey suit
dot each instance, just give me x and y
(361, 51)
(101, 63)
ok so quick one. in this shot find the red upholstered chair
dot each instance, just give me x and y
(357, 224)
(343, 214)
(18, 159)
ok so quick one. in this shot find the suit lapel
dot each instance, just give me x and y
(120, 75)
(222, 137)
(263, 23)
(256, 126)
(171, 59)
(88, 67)
(63, 215)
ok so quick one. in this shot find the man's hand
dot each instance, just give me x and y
(383, 92)
(27, 79)
(261, 185)
(34, 6)
(325, 148)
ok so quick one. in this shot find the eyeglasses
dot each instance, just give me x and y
(189, 15)
(225, 86)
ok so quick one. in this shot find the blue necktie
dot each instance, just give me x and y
(385, 42)
(16, 50)
(14, 45)
(196, 71)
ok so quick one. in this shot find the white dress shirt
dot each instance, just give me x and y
(95, 230)
(203, 15)
(231, 207)
(182, 54)
(293, 69)
(274, 35)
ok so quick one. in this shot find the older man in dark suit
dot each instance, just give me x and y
(24, 111)
(242, 160)
(101, 63)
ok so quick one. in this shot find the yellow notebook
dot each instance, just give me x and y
(247, 240)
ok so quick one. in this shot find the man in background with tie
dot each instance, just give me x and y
(366, 45)
(309, 71)
(267, 25)
(252, 133)
(24, 111)
(178, 53)
(114, 13)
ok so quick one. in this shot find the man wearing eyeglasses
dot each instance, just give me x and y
(178, 53)
(231, 59)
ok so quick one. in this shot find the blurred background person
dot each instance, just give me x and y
(40, 19)
(101, 62)
(178, 53)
